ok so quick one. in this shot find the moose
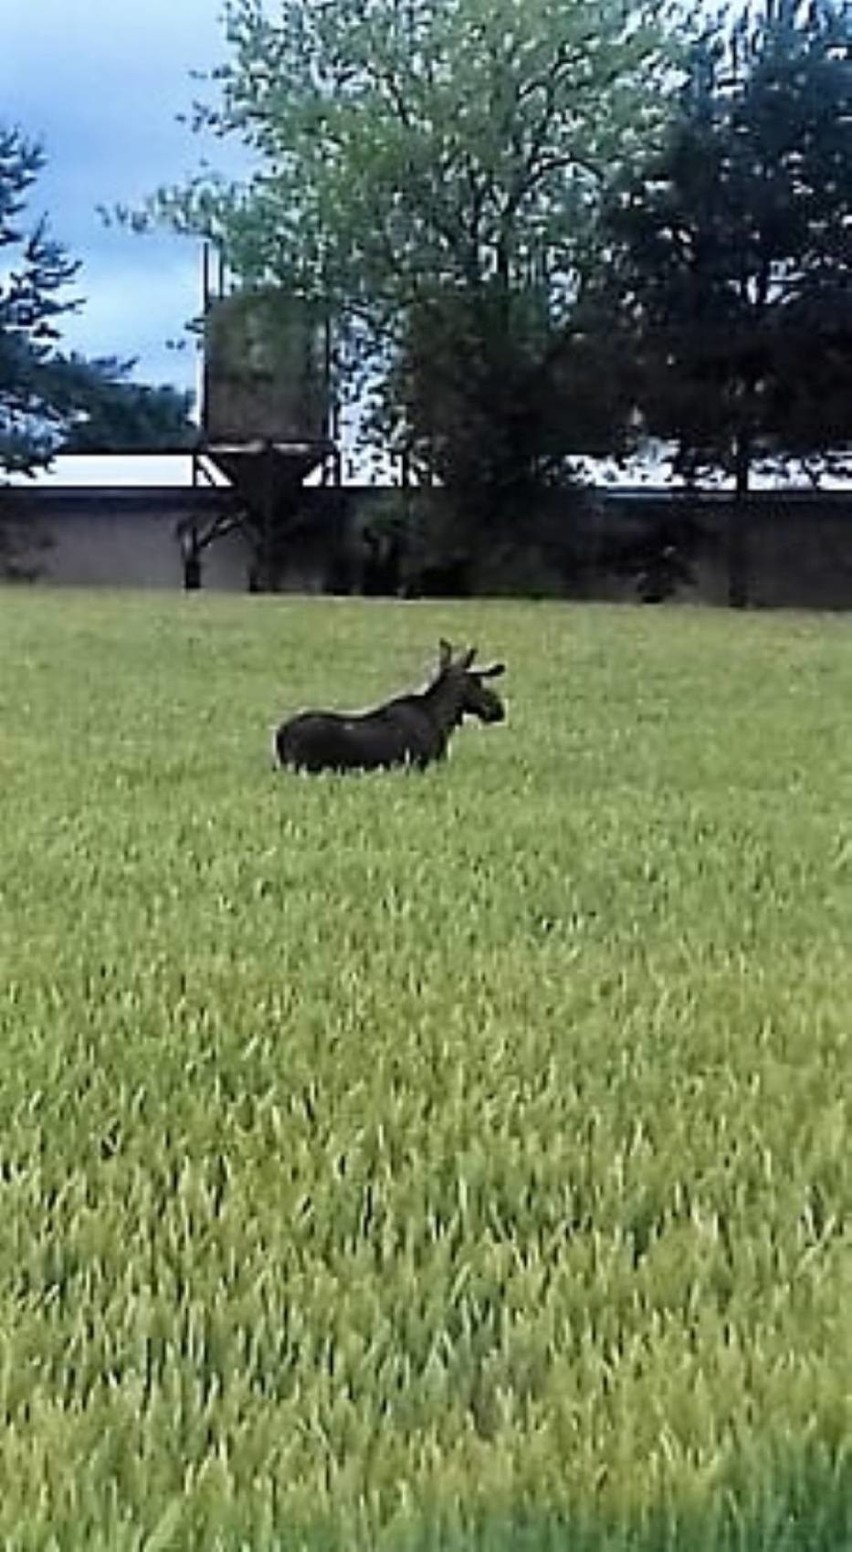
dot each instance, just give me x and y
(412, 730)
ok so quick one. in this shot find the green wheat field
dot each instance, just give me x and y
(412, 1162)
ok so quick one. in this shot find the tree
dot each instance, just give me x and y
(431, 171)
(496, 399)
(112, 414)
(34, 271)
(733, 269)
(50, 400)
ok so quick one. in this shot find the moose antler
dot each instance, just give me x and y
(464, 661)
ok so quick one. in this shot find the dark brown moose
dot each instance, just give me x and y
(408, 730)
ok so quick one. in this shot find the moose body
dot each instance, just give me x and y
(408, 730)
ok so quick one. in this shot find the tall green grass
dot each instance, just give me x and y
(413, 1162)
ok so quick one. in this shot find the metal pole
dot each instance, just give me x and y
(205, 276)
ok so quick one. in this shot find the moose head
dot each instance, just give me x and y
(475, 698)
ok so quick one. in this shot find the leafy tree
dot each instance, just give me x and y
(496, 399)
(735, 264)
(431, 170)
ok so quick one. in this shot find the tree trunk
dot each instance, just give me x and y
(737, 532)
(191, 547)
(264, 574)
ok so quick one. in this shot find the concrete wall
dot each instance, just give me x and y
(802, 557)
(799, 543)
(79, 537)
(132, 549)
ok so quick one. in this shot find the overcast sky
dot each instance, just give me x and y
(101, 84)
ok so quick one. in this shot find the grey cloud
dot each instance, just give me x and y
(101, 85)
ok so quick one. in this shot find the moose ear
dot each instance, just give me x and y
(493, 672)
(466, 658)
(446, 653)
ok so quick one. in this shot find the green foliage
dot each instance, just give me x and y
(50, 400)
(411, 144)
(736, 263)
(34, 271)
(456, 1162)
(492, 398)
(432, 173)
(112, 414)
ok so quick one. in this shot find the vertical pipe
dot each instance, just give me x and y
(205, 276)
